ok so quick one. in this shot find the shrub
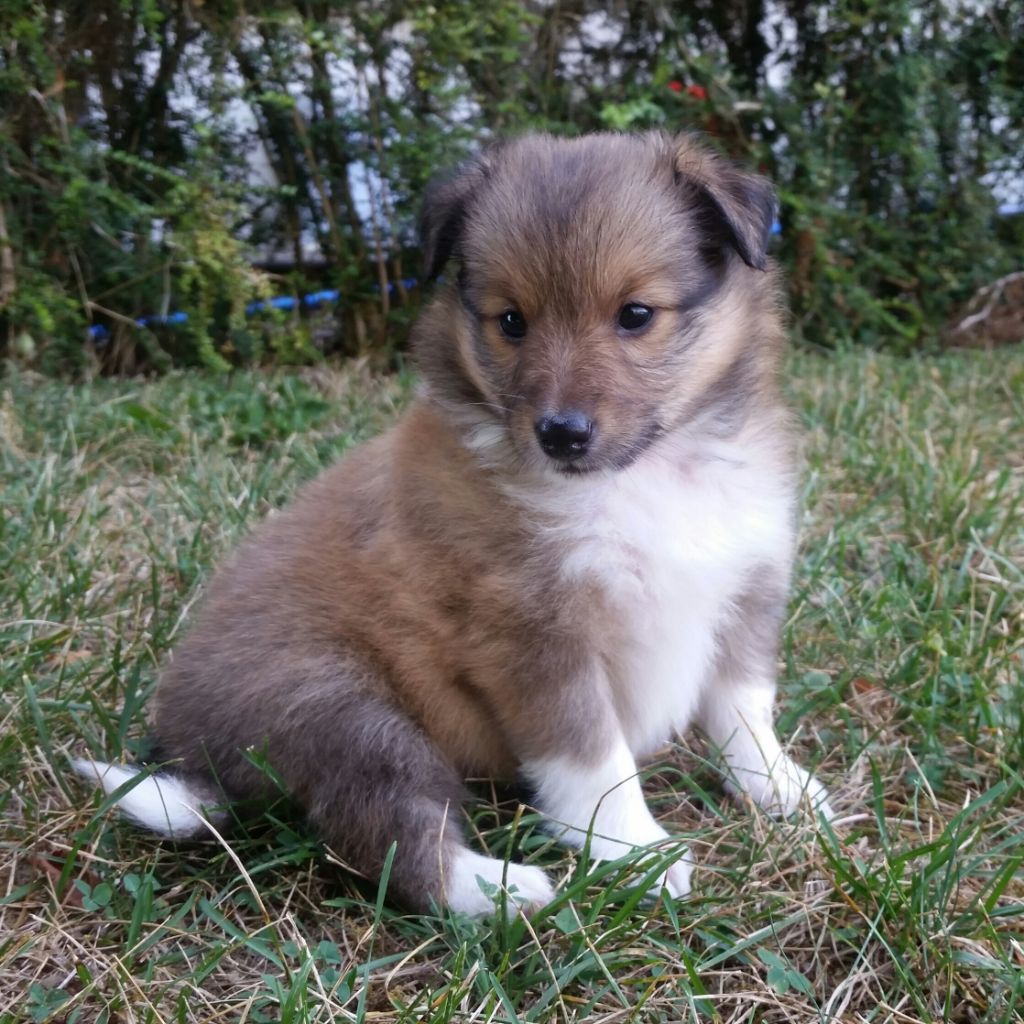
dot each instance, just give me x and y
(200, 158)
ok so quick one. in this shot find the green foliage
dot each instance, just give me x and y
(194, 158)
(888, 133)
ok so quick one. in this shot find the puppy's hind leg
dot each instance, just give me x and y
(368, 777)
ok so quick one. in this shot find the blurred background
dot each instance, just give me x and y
(209, 184)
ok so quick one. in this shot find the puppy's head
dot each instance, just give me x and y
(604, 286)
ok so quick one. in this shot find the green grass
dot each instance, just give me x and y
(902, 683)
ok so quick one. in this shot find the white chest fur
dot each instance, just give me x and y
(672, 542)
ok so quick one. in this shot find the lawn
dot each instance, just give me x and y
(903, 685)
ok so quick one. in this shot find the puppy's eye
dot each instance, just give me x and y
(512, 324)
(635, 317)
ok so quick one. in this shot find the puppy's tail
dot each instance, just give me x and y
(165, 803)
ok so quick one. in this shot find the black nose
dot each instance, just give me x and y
(565, 435)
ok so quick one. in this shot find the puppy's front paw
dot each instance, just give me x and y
(784, 790)
(816, 797)
(677, 879)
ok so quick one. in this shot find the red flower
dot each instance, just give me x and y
(698, 92)
(676, 86)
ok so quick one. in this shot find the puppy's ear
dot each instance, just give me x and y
(444, 212)
(736, 208)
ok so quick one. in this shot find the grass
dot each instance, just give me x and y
(902, 682)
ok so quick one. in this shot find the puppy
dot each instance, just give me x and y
(574, 544)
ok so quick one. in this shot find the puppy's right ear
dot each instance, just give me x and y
(739, 207)
(444, 213)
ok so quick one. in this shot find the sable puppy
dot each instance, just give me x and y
(576, 542)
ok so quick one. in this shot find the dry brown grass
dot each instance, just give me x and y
(903, 683)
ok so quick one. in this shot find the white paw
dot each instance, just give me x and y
(677, 878)
(817, 798)
(633, 835)
(529, 888)
(474, 883)
(784, 790)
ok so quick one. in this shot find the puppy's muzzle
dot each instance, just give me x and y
(564, 436)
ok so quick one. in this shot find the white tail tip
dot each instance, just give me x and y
(163, 804)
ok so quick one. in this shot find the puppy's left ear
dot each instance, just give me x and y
(444, 213)
(737, 208)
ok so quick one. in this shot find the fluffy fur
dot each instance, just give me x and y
(452, 600)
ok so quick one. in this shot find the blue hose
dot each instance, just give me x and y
(98, 332)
